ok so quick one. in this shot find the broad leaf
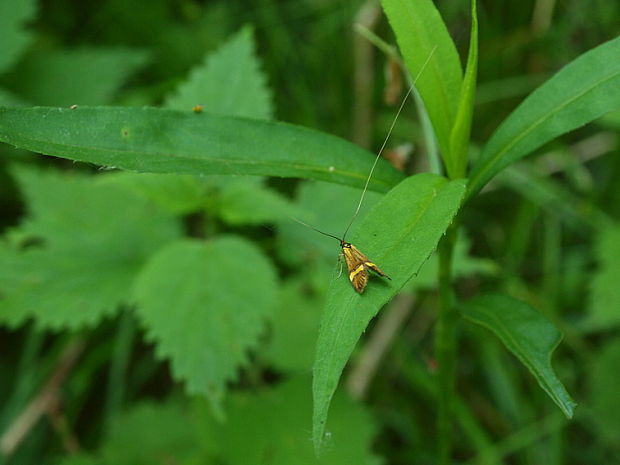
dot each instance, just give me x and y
(398, 234)
(582, 91)
(14, 14)
(228, 82)
(205, 304)
(167, 141)
(274, 423)
(456, 158)
(527, 334)
(84, 76)
(419, 29)
(89, 241)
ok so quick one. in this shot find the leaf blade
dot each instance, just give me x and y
(399, 244)
(419, 28)
(583, 90)
(219, 312)
(527, 334)
(456, 158)
(167, 141)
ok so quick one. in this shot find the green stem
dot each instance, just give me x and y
(446, 347)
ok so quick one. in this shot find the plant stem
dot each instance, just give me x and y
(446, 347)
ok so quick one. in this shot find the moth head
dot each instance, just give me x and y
(344, 244)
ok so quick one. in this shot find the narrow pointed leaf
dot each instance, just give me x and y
(167, 141)
(582, 91)
(528, 335)
(398, 234)
(456, 158)
(419, 29)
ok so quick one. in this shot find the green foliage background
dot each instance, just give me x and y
(165, 307)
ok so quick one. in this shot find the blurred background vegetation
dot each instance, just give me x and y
(105, 396)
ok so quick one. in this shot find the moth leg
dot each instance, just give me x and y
(340, 256)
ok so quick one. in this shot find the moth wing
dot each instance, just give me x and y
(367, 263)
(359, 280)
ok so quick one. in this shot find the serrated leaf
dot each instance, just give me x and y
(228, 82)
(604, 307)
(205, 305)
(456, 158)
(295, 327)
(167, 141)
(243, 203)
(419, 29)
(94, 239)
(85, 76)
(274, 424)
(398, 234)
(174, 193)
(527, 334)
(14, 38)
(582, 91)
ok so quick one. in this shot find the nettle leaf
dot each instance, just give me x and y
(604, 308)
(14, 14)
(167, 141)
(274, 424)
(246, 203)
(419, 29)
(456, 159)
(205, 305)
(179, 194)
(89, 242)
(85, 76)
(228, 82)
(295, 326)
(527, 334)
(582, 91)
(398, 234)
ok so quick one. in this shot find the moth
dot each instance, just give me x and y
(358, 264)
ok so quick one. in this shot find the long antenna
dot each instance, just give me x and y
(400, 109)
(313, 228)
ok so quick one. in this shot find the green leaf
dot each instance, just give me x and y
(419, 29)
(456, 158)
(14, 14)
(174, 193)
(604, 306)
(295, 326)
(167, 141)
(297, 245)
(243, 203)
(527, 334)
(94, 240)
(228, 82)
(398, 234)
(274, 424)
(150, 434)
(205, 304)
(585, 89)
(85, 76)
